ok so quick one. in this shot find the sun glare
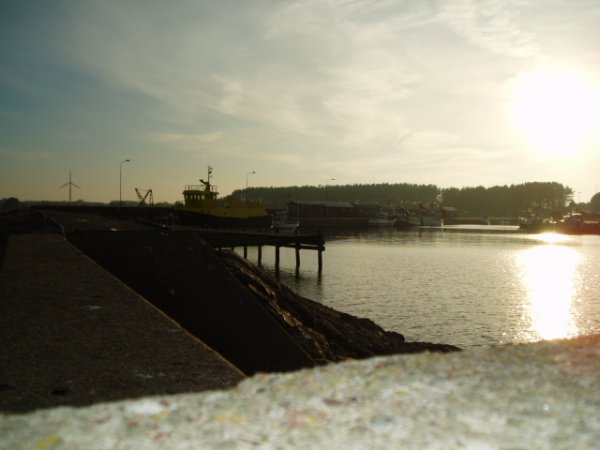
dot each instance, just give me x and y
(550, 238)
(557, 111)
(550, 274)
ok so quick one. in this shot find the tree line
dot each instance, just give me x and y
(539, 198)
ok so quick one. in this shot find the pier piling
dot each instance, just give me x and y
(230, 239)
(297, 248)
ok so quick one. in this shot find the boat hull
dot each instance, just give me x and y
(381, 222)
(188, 217)
(432, 221)
(407, 222)
(313, 222)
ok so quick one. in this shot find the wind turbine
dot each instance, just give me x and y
(70, 184)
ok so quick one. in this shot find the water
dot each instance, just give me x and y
(468, 286)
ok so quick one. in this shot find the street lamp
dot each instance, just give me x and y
(326, 185)
(246, 190)
(121, 180)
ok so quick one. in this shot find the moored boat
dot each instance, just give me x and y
(203, 207)
(382, 219)
(579, 223)
(280, 222)
(406, 219)
(432, 221)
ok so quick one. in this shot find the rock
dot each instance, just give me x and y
(326, 334)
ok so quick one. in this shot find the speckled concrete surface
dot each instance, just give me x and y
(536, 396)
(72, 334)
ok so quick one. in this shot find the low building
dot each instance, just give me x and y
(327, 213)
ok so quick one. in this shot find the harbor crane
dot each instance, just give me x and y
(143, 195)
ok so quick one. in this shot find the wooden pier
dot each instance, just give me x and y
(74, 221)
(220, 239)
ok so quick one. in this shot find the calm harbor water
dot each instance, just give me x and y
(468, 286)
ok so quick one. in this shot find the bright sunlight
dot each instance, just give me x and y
(550, 276)
(557, 111)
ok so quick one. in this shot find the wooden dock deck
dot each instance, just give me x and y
(220, 239)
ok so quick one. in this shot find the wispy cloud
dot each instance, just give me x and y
(7, 113)
(492, 24)
(72, 136)
(186, 142)
(25, 155)
(346, 79)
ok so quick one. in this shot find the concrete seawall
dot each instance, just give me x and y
(184, 278)
(73, 334)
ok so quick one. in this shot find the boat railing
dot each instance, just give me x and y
(199, 187)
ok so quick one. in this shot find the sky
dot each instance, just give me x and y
(312, 92)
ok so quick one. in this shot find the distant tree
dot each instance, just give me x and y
(540, 198)
(11, 203)
(595, 202)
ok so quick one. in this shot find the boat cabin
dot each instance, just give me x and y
(200, 194)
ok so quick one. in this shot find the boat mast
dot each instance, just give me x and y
(207, 183)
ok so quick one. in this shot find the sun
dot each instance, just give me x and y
(557, 111)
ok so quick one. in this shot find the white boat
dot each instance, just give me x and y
(407, 219)
(280, 222)
(382, 219)
(432, 221)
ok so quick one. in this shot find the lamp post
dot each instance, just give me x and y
(326, 186)
(246, 190)
(121, 180)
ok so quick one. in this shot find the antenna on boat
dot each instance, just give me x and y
(207, 183)
(70, 184)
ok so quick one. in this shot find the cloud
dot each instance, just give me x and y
(72, 136)
(491, 24)
(186, 142)
(309, 69)
(25, 155)
(6, 113)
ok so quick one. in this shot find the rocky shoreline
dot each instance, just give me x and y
(326, 334)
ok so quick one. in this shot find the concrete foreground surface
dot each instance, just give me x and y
(537, 396)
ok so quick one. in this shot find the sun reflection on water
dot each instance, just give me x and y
(550, 276)
(550, 238)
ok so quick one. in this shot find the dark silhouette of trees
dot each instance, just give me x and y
(595, 202)
(10, 203)
(383, 194)
(539, 198)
